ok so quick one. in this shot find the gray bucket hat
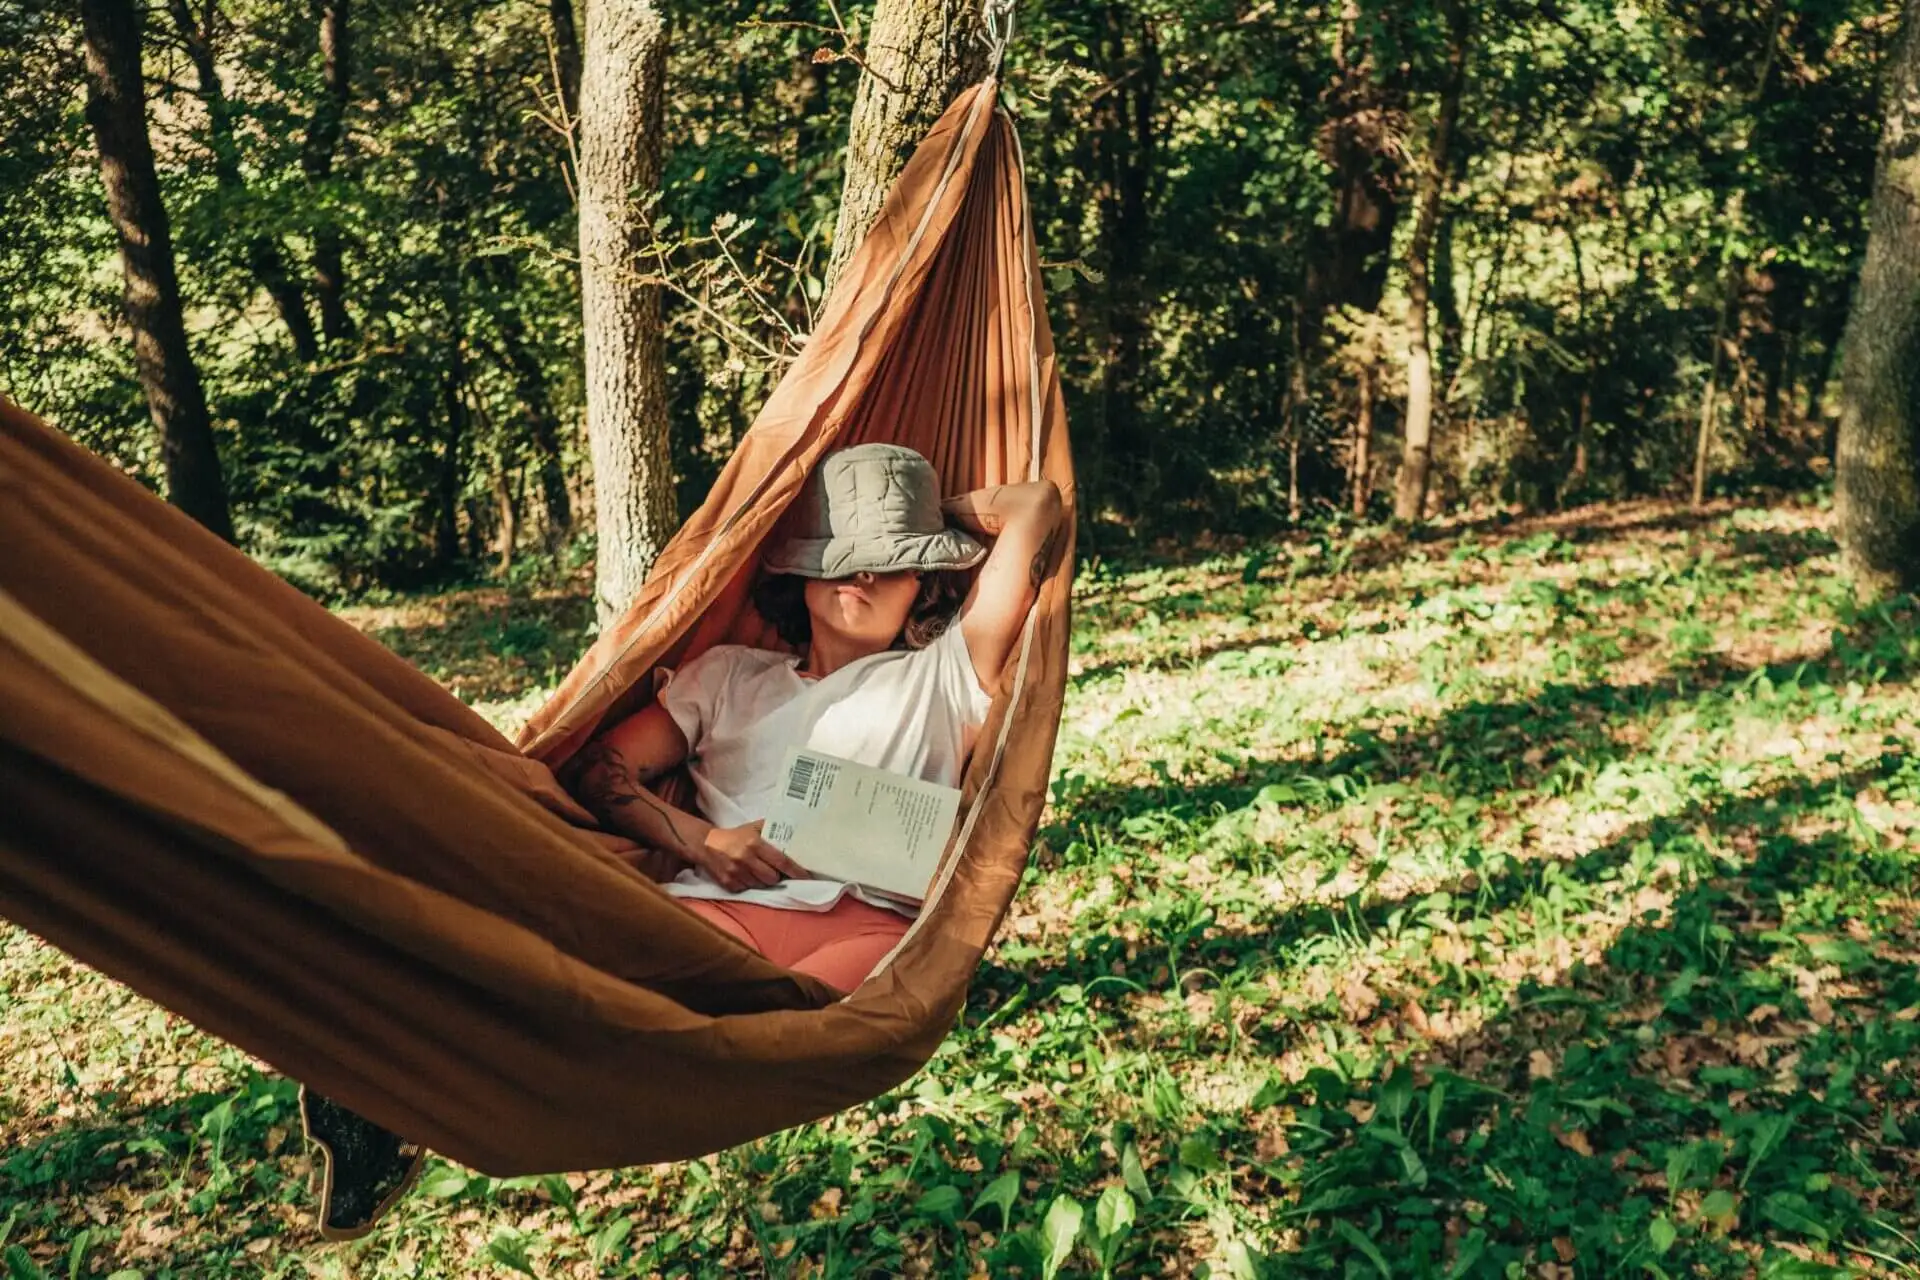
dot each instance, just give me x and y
(874, 508)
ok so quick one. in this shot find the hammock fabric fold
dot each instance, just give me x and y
(222, 795)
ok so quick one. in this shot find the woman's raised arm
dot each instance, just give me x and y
(1025, 522)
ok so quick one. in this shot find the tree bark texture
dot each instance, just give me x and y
(1877, 487)
(263, 257)
(919, 55)
(1416, 461)
(116, 109)
(622, 105)
(324, 133)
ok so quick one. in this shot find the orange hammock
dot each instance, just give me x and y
(220, 794)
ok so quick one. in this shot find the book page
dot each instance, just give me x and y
(852, 822)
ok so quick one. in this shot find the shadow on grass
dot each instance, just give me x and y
(170, 1138)
(1775, 549)
(1482, 749)
(1193, 940)
(1742, 1070)
(1739, 1073)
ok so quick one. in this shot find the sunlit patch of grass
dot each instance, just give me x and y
(1534, 898)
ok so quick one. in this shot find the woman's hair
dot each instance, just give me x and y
(781, 599)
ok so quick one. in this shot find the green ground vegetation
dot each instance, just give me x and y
(1532, 899)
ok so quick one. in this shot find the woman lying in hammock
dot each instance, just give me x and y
(887, 674)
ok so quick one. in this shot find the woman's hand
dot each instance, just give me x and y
(739, 858)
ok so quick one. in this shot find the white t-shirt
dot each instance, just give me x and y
(911, 711)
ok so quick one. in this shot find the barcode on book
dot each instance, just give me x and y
(801, 778)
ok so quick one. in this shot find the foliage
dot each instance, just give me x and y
(1624, 172)
(1532, 899)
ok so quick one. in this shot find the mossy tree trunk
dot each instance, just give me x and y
(1878, 463)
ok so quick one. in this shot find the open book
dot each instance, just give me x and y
(880, 830)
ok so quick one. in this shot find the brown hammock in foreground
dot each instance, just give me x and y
(220, 794)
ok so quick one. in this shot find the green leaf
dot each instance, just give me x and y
(1134, 1173)
(1001, 1193)
(558, 1190)
(1114, 1214)
(20, 1266)
(1844, 952)
(509, 1249)
(608, 1239)
(1059, 1233)
(1241, 1264)
(1198, 1154)
(1353, 1236)
(1413, 1170)
(77, 1255)
(1396, 1095)
(128, 1273)
(1661, 1234)
(1471, 1247)
(1786, 1209)
(941, 1202)
(1768, 1131)
(1436, 1101)
(1722, 1208)
(444, 1183)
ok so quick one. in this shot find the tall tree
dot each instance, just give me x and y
(920, 54)
(264, 259)
(324, 131)
(622, 103)
(117, 111)
(1416, 461)
(1877, 494)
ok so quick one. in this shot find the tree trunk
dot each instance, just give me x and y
(1363, 446)
(1124, 141)
(566, 54)
(117, 110)
(1703, 438)
(324, 132)
(1416, 461)
(622, 104)
(543, 424)
(920, 54)
(1348, 266)
(1877, 490)
(264, 259)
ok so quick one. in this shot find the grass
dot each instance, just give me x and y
(1532, 900)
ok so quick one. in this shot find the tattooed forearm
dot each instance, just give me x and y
(607, 784)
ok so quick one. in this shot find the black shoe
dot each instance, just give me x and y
(367, 1168)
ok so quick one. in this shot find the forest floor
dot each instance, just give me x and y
(1532, 899)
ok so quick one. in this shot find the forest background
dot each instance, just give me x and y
(1617, 240)
(1529, 894)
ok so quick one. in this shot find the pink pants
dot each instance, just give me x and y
(839, 946)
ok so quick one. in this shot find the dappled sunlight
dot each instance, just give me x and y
(1550, 889)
